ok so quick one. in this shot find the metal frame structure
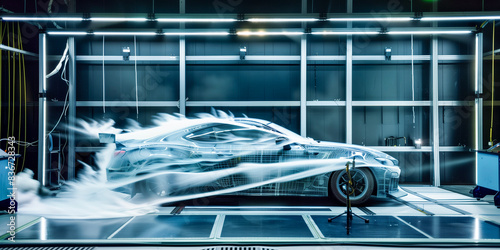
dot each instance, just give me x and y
(348, 60)
(42, 109)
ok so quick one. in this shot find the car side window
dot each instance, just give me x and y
(226, 133)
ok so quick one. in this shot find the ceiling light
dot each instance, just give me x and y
(223, 33)
(199, 20)
(459, 18)
(373, 19)
(267, 33)
(68, 33)
(429, 32)
(118, 19)
(345, 33)
(282, 19)
(112, 33)
(70, 19)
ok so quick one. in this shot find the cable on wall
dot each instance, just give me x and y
(16, 86)
(13, 84)
(19, 112)
(136, 89)
(9, 82)
(492, 82)
(49, 9)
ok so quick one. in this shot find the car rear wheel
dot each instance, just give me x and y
(362, 185)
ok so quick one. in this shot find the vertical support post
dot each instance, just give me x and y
(348, 87)
(435, 112)
(71, 108)
(479, 90)
(478, 102)
(182, 64)
(303, 86)
(348, 81)
(182, 75)
(303, 76)
(42, 109)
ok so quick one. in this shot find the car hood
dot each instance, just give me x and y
(350, 147)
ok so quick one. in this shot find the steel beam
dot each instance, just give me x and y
(182, 75)
(111, 59)
(5, 47)
(127, 104)
(182, 63)
(243, 103)
(340, 58)
(325, 58)
(479, 90)
(247, 58)
(348, 96)
(428, 149)
(303, 86)
(42, 115)
(325, 103)
(391, 103)
(71, 108)
(435, 112)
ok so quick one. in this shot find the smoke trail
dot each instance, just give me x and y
(181, 171)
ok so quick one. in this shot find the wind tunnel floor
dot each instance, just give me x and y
(426, 215)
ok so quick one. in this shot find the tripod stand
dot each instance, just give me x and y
(348, 189)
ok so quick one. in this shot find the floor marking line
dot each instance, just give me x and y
(366, 210)
(120, 228)
(177, 210)
(458, 210)
(409, 204)
(316, 232)
(414, 228)
(21, 228)
(218, 226)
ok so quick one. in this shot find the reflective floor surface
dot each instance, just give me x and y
(426, 215)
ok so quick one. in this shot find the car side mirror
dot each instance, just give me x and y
(287, 147)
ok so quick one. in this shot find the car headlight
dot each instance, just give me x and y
(385, 161)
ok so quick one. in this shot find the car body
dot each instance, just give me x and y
(244, 156)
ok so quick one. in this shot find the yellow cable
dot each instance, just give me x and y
(482, 25)
(492, 83)
(13, 83)
(25, 109)
(19, 110)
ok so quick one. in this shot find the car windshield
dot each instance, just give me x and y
(275, 128)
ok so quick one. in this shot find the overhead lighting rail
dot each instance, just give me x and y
(270, 32)
(262, 18)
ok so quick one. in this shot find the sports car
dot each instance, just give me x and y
(245, 156)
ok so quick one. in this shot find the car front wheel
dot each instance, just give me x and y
(361, 188)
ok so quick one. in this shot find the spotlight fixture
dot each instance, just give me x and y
(418, 144)
(126, 53)
(387, 53)
(243, 52)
